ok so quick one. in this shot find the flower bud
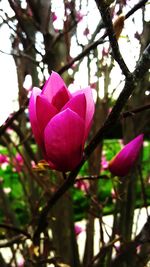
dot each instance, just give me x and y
(121, 164)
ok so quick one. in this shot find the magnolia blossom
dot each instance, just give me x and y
(3, 159)
(78, 229)
(86, 31)
(54, 16)
(18, 162)
(61, 122)
(121, 164)
(79, 16)
(104, 163)
(82, 185)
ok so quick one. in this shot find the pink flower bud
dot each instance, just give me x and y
(104, 163)
(78, 229)
(105, 52)
(121, 164)
(18, 163)
(79, 16)
(61, 122)
(3, 159)
(54, 17)
(86, 31)
(82, 185)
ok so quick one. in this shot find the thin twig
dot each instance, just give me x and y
(21, 54)
(105, 13)
(14, 229)
(135, 8)
(134, 111)
(16, 239)
(103, 250)
(92, 177)
(83, 54)
(13, 117)
(93, 45)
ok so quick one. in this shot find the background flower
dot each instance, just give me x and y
(121, 164)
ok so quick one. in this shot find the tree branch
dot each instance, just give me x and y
(14, 229)
(93, 45)
(129, 250)
(14, 240)
(134, 111)
(105, 13)
(13, 117)
(110, 122)
(143, 64)
(83, 54)
(135, 8)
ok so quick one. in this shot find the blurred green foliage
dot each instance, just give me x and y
(14, 193)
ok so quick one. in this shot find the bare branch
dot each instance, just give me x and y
(105, 13)
(14, 229)
(13, 117)
(16, 239)
(110, 122)
(93, 45)
(134, 111)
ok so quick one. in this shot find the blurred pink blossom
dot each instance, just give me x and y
(33, 165)
(79, 16)
(86, 31)
(21, 262)
(78, 229)
(114, 194)
(54, 16)
(137, 35)
(18, 162)
(93, 85)
(104, 163)
(105, 52)
(3, 159)
(82, 185)
(70, 5)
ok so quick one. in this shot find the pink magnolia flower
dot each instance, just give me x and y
(61, 122)
(18, 162)
(79, 16)
(78, 229)
(54, 16)
(121, 164)
(104, 163)
(86, 31)
(82, 185)
(21, 262)
(105, 52)
(3, 159)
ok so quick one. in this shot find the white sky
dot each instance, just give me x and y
(8, 78)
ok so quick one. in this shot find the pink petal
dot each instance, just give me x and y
(51, 165)
(77, 104)
(33, 116)
(53, 85)
(44, 111)
(63, 140)
(121, 164)
(89, 110)
(78, 229)
(61, 98)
